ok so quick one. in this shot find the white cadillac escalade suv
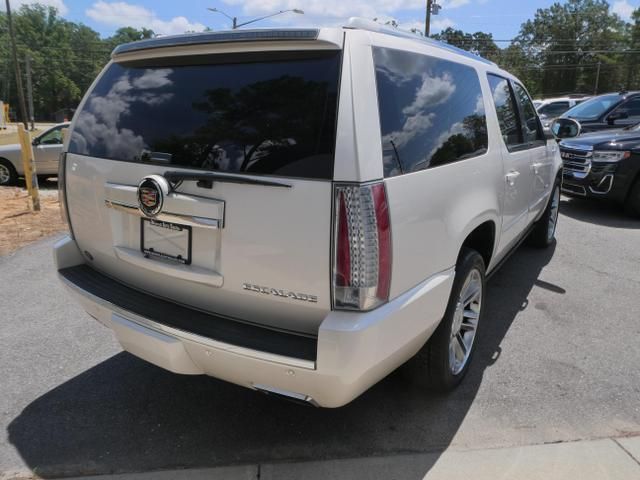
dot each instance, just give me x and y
(301, 211)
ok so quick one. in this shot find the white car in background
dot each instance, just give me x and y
(46, 150)
(551, 108)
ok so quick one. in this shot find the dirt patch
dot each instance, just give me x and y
(19, 226)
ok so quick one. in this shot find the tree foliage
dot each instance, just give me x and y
(65, 57)
(559, 50)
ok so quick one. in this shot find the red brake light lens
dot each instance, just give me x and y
(362, 256)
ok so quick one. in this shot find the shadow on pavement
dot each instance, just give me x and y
(598, 212)
(44, 183)
(125, 415)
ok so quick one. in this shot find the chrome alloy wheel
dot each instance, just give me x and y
(5, 174)
(553, 213)
(465, 322)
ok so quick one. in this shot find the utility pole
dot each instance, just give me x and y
(23, 107)
(595, 90)
(30, 91)
(432, 9)
(427, 20)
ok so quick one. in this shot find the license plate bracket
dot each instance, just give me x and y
(166, 240)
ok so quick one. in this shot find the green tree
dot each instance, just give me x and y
(129, 34)
(479, 43)
(566, 42)
(65, 57)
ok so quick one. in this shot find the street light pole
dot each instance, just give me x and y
(14, 51)
(236, 25)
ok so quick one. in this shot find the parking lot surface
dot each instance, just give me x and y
(557, 361)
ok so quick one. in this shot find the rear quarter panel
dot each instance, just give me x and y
(434, 210)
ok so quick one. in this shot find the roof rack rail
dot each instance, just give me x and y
(359, 23)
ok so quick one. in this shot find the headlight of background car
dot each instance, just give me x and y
(609, 156)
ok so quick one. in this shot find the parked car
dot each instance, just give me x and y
(603, 165)
(551, 108)
(301, 211)
(46, 151)
(608, 111)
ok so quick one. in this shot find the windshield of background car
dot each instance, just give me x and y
(593, 108)
(269, 114)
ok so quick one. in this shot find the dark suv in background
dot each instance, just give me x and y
(600, 149)
(611, 110)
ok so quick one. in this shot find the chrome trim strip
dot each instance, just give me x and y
(202, 222)
(183, 335)
(295, 34)
(609, 178)
(579, 189)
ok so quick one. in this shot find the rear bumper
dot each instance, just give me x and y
(353, 350)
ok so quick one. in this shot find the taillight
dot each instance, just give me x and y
(62, 190)
(362, 246)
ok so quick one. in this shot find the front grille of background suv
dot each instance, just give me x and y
(577, 160)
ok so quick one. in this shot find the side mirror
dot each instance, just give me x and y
(619, 115)
(565, 128)
(35, 142)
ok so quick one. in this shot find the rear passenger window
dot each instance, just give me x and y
(530, 125)
(507, 111)
(431, 111)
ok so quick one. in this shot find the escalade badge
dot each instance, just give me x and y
(151, 193)
(277, 292)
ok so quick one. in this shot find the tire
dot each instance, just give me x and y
(440, 364)
(632, 204)
(544, 231)
(8, 174)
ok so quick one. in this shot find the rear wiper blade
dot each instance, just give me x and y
(206, 179)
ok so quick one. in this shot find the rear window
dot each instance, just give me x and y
(240, 114)
(431, 111)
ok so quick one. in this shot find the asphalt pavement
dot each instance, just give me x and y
(557, 361)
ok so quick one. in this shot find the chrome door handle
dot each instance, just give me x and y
(511, 177)
(536, 167)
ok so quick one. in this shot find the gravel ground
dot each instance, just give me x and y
(557, 361)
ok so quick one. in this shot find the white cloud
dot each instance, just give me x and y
(59, 4)
(623, 8)
(336, 12)
(123, 14)
(442, 24)
(432, 92)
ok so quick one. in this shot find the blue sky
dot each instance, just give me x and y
(502, 18)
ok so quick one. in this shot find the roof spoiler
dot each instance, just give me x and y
(261, 35)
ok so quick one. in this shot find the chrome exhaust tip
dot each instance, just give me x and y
(298, 398)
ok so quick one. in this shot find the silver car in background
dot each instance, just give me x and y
(46, 150)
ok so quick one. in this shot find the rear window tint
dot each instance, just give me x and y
(273, 116)
(431, 111)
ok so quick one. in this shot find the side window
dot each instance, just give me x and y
(632, 107)
(530, 125)
(52, 137)
(555, 108)
(431, 111)
(507, 111)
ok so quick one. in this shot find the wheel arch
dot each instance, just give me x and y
(482, 237)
